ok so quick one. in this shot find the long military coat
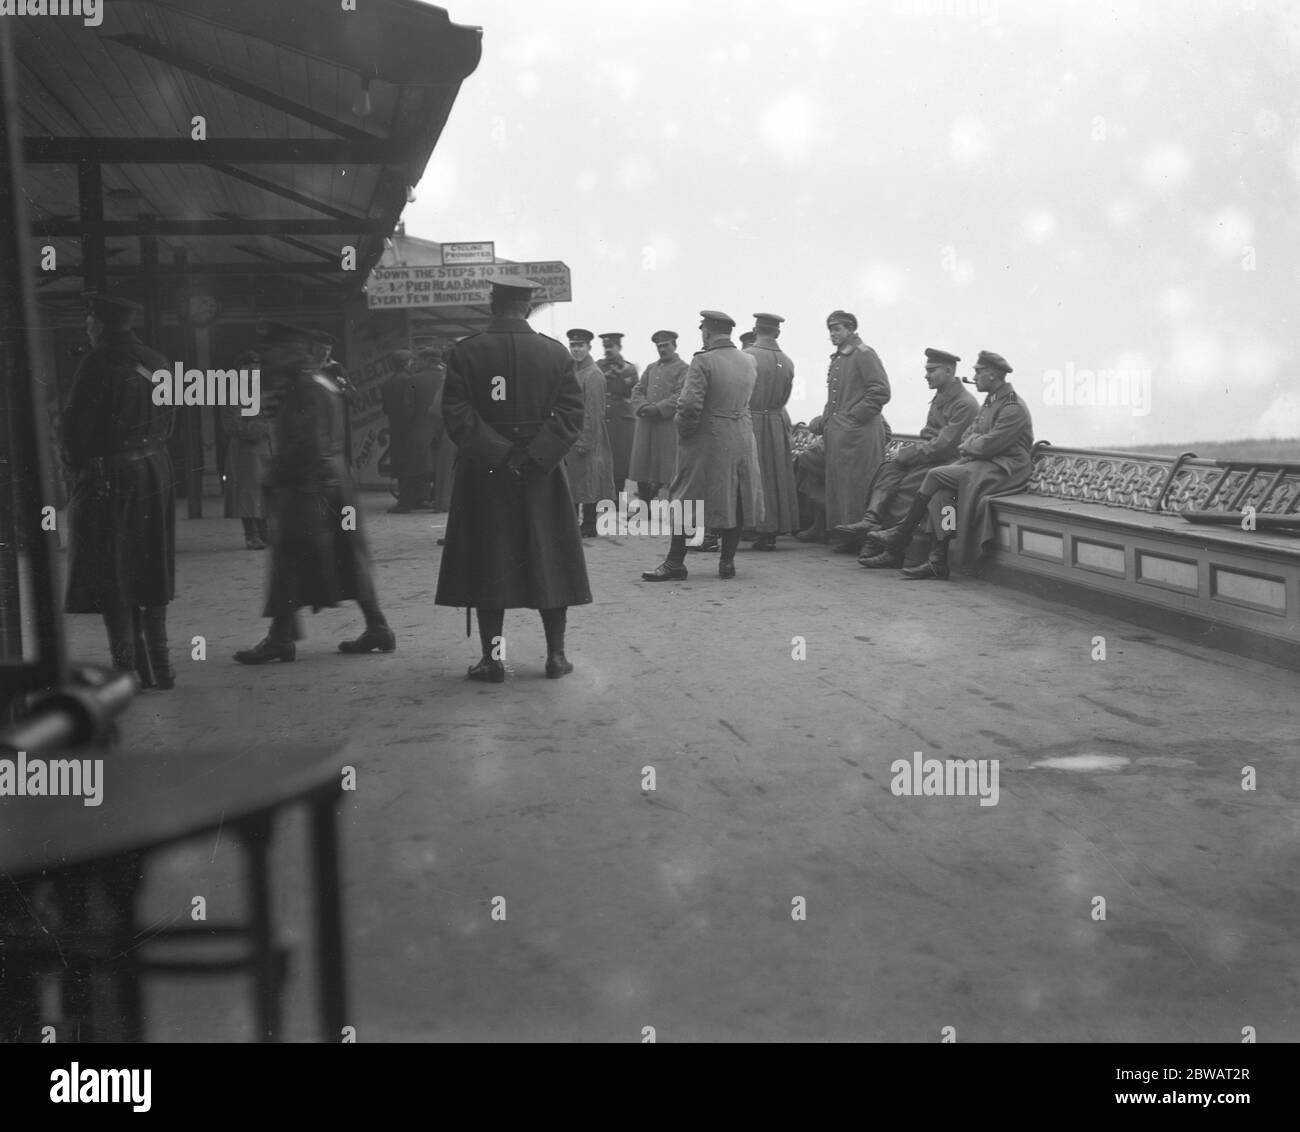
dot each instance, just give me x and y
(248, 456)
(857, 389)
(1001, 441)
(654, 443)
(406, 398)
(772, 436)
(620, 419)
(590, 462)
(511, 545)
(717, 458)
(122, 512)
(319, 555)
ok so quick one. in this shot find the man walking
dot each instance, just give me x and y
(318, 550)
(899, 479)
(513, 406)
(994, 457)
(590, 462)
(122, 549)
(717, 458)
(772, 432)
(654, 401)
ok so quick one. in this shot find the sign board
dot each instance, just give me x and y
(457, 255)
(395, 287)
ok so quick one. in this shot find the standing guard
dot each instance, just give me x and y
(513, 406)
(590, 462)
(620, 380)
(772, 432)
(122, 547)
(654, 401)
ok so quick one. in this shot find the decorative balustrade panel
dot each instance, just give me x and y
(1132, 482)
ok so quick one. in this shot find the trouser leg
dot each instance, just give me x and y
(121, 636)
(553, 624)
(646, 490)
(155, 637)
(374, 616)
(490, 624)
(677, 551)
(731, 535)
(284, 629)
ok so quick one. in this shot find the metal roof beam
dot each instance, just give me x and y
(184, 62)
(183, 151)
(213, 228)
(281, 191)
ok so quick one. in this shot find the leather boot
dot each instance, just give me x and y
(817, 532)
(155, 639)
(267, 650)
(935, 567)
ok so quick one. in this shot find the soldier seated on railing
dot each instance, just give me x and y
(994, 458)
(899, 478)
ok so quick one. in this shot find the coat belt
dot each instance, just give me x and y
(729, 414)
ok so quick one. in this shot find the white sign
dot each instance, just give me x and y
(395, 287)
(457, 255)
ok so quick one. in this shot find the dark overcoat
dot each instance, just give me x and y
(509, 544)
(590, 462)
(998, 449)
(122, 512)
(654, 442)
(319, 555)
(406, 399)
(772, 436)
(857, 389)
(620, 417)
(716, 454)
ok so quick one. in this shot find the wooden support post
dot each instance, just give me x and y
(190, 419)
(90, 190)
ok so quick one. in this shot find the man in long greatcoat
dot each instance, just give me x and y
(319, 555)
(717, 458)
(855, 433)
(620, 380)
(590, 462)
(248, 453)
(406, 397)
(514, 408)
(122, 547)
(772, 432)
(994, 457)
(899, 479)
(654, 401)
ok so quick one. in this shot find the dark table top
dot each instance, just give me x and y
(151, 800)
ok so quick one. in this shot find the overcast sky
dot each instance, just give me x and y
(1077, 186)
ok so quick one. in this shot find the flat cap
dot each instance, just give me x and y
(717, 316)
(663, 336)
(941, 356)
(269, 332)
(112, 308)
(989, 360)
(614, 337)
(849, 320)
(768, 320)
(580, 336)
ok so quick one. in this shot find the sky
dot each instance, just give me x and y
(1107, 194)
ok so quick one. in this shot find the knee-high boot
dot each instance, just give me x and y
(155, 639)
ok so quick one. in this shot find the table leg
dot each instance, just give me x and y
(256, 836)
(331, 966)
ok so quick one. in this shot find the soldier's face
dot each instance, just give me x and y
(613, 351)
(938, 375)
(987, 378)
(666, 349)
(839, 333)
(580, 350)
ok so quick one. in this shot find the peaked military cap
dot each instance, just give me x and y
(269, 332)
(748, 338)
(663, 336)
(849, 320)
(511, 286)
(941, 356)
(580, 336)
(401, 357)
(989, 360)
(718, 316)
(771, 320)
(112, 308)
(612, 339)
